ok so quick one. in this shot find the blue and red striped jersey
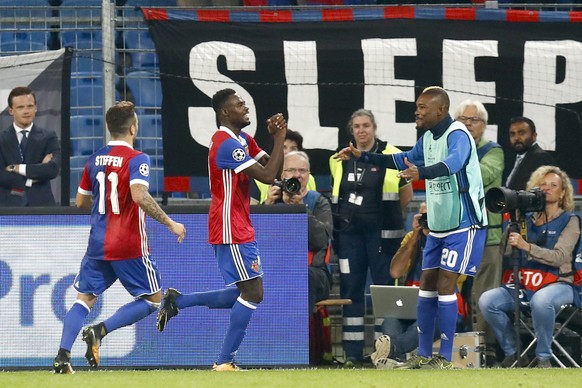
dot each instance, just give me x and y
(118, 229)
(229, 220)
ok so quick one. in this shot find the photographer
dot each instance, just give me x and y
(545, 269)
(319, 221)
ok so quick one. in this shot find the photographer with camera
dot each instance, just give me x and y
(545, 265)
(292, 190)
(367, 201)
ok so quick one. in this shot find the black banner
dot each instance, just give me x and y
(318, 73)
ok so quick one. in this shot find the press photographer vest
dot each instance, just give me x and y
(457, 194)
(533, 274)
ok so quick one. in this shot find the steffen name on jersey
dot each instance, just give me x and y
(108, 160)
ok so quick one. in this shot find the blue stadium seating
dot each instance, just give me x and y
(88, 78)
(150, 133)
(87, 62)
(87, 100)
(146, 90)
(24, 36)
(21, 46)
(156, 181)
(141, 49)
(78, 162)
(138, 39)
(87, 125)
(82, 39)
(85, 146)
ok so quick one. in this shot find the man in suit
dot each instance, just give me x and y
(529, 155)
(29, 156)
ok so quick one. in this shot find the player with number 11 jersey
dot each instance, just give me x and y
(118, 224)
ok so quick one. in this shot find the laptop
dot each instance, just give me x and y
(394, 301)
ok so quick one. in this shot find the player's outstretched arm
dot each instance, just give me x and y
(141, 196)
(346, 153)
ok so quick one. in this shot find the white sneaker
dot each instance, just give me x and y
(387, 363)
(382, 352)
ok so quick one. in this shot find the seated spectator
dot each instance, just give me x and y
(400, 335)
(319, 223)
(293, 142)
(552, 236)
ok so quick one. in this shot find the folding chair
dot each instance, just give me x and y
(567, 313)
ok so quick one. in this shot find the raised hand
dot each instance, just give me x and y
(346, 153)
(411, 173)
(276, 123)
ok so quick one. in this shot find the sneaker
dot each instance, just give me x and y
(438, 362)
(169, 308)
(387, 363)
(414, 362)
(62, 365)
(382, 346)
(543, 363)
(93, 340)
(226, 367)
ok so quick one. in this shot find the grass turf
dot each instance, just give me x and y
(503, 378)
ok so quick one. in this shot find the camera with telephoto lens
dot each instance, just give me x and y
(502, 200)
(290, 185)
(423, 221)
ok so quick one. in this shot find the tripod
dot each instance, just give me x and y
(518, 225)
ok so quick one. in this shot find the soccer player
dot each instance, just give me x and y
(115, 186)
(233, 158)
(446, 156)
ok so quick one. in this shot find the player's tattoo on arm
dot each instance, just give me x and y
(147, 203)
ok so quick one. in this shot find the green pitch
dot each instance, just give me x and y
(320, 378)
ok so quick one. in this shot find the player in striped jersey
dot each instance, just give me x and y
(233, 159)
(115, 186)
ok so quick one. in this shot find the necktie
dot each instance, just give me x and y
(23, 142)
(518, 160)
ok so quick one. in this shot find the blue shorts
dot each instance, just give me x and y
(138, 276)
(459, 251)
(238, 262)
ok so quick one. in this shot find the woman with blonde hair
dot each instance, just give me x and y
(546, 269)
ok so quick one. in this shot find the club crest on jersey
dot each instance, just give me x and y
(144, 169)
(238, 154)
(256, 265)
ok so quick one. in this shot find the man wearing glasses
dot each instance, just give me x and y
(319, 223)
(491, 161)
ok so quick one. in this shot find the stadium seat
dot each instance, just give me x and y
(146, 90)
(23, 8)
(88, 78)
(85, 146)
(24, 36)
(87, 126)
(87, 100)
(85, 39)
(78, 162)
(138, 39)
(150, 134)
(157, 161)
(156, 181)
(21, 46)
(141, 49)
(87, 62)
